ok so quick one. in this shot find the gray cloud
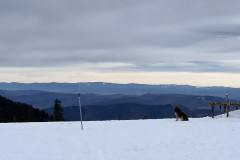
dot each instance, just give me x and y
(165, 35)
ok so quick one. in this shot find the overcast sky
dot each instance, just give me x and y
(194, 42)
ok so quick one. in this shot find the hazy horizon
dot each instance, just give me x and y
(117, 83)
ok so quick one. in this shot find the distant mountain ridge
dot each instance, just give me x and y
(105, 101)
(109, 107)
(127, 89)
(43, 99)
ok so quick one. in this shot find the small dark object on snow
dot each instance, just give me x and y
(179, 114)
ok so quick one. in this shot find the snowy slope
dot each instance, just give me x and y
(166, 139)
(234, 114)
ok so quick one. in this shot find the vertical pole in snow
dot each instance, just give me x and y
(227, 111)
(227, 108)
(80, 108)
(212, 111)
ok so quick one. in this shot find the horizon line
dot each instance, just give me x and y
(121, 84)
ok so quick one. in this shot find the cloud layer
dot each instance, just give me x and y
(120, 36)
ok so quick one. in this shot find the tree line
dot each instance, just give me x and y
(11, 111)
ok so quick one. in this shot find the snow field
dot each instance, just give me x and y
(197, 139)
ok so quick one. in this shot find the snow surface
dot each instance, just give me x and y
(166, 139)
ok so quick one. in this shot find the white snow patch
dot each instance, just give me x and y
(233, 114)
(197, 139)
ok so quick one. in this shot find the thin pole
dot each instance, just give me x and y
(227, 106)
(80, 108)
(212, 111)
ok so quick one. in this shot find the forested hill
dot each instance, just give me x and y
(19, 112)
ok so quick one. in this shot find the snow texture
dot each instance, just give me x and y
(166, 139)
